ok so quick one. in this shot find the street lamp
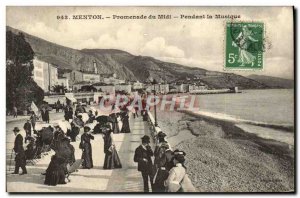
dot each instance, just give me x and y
(155, 114)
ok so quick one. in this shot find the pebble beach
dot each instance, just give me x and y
(223, 158)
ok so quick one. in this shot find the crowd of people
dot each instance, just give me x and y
(58, 140)
(168, 170)
(165, 173)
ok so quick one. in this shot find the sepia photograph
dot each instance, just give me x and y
(150, 99)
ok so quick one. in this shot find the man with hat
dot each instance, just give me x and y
(20, 153)
(27, 128)
(47, 117)
(68, 113)
(33, 119)
(73, 132)
(160, 162)
(142, 156)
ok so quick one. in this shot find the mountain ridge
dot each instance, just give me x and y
(275, 82)
(132, 67)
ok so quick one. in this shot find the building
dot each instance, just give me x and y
(179, 88)
(95, 67)
(137, 85)
(44, 74)
(123, 87)
(52, 99)
(111, 79)
(80, 76)
(73, 77)
(197, 87)
(104, 88)
(90, 77)
(159, 88)
(85, 97)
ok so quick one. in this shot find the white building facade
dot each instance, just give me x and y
(44, 74)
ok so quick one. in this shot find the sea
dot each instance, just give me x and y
(272, 106)
(264, 112)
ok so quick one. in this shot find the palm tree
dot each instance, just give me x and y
(59, 89)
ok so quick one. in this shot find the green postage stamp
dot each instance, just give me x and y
(244, 45)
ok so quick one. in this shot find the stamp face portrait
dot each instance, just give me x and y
(244, 46)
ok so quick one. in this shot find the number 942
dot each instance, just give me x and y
(62, 17)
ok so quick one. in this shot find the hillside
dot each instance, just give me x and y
(131, 67)
(273, 82)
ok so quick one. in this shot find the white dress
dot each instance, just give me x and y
(176, 175)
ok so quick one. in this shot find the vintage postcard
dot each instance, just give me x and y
(150, 99)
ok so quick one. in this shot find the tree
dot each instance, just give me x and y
(59, 89)
(21, 89)
(88, 88)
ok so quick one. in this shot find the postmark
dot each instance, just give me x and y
(244, 49)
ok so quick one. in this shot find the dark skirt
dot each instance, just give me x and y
(55, 177)
(112, 160)
(115, 127)
(161, 175)
(87, 156)
(55, 173)
(125, 126)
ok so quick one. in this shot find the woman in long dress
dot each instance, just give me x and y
(55, 173)
(86, 147)
(177, 173)
(125, 120)
(111, 160)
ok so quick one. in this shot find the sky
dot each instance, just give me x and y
(194, 42)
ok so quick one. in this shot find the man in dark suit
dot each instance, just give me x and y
(68, 113)
(27, 128)
(142, 156)
(20, 153)
(47, 116)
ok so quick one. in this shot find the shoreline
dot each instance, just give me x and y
(222, 157)
(244, 126)
(230, 119)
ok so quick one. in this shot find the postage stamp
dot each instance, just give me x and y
(244, 46)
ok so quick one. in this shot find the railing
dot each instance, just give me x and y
(188, 187)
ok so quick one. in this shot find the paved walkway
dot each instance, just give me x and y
(19, 118)
(127, 179)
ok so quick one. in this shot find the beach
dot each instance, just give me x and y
(222, 157)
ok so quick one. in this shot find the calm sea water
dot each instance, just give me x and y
(274, 106)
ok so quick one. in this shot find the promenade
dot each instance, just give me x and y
(127, 179)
